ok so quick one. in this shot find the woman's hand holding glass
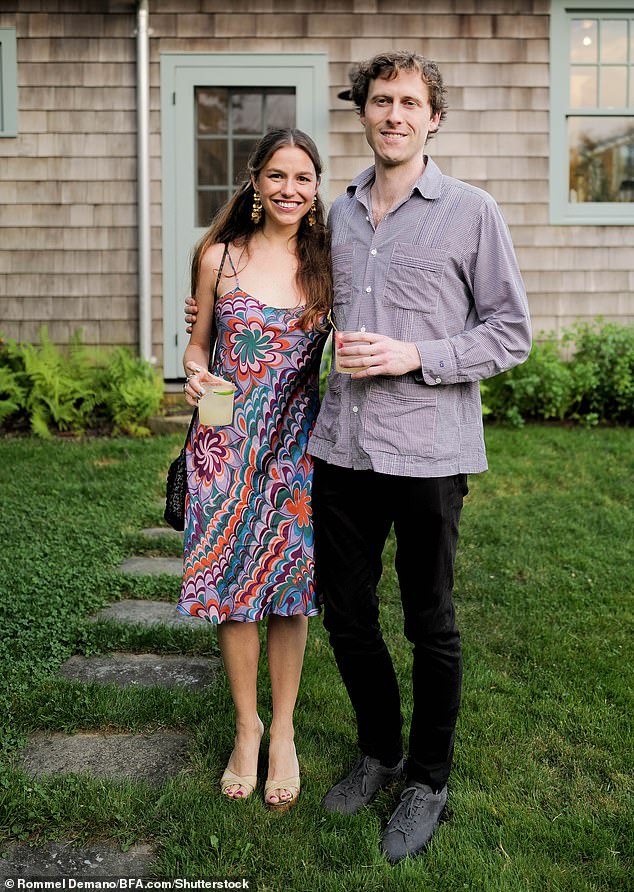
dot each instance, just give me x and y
(197, 382)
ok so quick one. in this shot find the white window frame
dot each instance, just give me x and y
(8, 83)
(180, 73)
(563, 211)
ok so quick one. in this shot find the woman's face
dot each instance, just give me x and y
(287, 185)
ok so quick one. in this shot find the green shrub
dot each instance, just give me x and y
(604, 358)
(132, 392)
(12, 394)
(77, 389)
(595, 385)
(324, 367)
(56, 387)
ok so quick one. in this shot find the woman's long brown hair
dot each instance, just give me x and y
(233, 224)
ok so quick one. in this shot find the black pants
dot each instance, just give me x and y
(353, 513)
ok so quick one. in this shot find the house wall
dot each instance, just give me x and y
(67, 182)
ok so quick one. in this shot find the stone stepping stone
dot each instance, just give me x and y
(150, 757)
(63, 859)
(140, 612)
(160, 532)
(144, 670)
(152, 566)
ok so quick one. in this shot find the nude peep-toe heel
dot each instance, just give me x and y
(230, 779)
(288, 783)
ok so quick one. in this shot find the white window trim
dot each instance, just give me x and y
(562, 211)
(8, 83)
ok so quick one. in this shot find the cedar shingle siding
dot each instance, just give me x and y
(67, 182)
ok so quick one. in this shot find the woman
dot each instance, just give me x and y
(261, 278)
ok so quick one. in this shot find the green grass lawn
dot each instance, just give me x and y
(539, 795)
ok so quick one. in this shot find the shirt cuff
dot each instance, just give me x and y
(437, 364)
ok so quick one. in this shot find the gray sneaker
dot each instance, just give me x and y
(361, 786)
(413, 823)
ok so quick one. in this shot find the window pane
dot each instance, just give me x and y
(211, 109)
(601, 155)
(279, 111)
(631, 99)
(583, 40)
(246, 113)
(613, 92)
(613, 40)
(209, 203)
(583, 87)
(212, 162)
(242, 148)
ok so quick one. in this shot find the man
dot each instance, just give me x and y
(428, 301)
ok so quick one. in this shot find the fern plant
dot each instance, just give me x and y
(12, 393)
(77, 389)
(132, 392)
(60, 391)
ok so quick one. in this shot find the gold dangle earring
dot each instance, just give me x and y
(256, 212)
(312, 219)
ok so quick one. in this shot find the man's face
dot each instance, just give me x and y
(397, 118)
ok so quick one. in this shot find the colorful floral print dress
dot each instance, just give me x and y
(248, 525)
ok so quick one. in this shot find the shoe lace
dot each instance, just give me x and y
(413, 800)
(360, 770)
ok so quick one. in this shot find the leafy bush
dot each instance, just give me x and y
(324, 367)
(13, 394)
(56, 388)
(604, 360)
(132, 392)
(595, 385)
(76, 389)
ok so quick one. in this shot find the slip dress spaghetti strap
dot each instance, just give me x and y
(248, 542)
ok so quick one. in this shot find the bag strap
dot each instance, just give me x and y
(212, 336)
(212, 345)
(222, 263)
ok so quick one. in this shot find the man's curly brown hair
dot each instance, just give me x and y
(388, 65)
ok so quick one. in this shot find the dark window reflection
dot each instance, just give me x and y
(242, 148)
(279, 109)
(212, 162)
(246, 112)
(601, 153)
(211, 110)
(209, 203)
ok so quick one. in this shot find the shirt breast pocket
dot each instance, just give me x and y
(414, 278)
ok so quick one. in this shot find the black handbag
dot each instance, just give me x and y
(176, 485)
(176, 488)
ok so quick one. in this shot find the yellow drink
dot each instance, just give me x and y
(216, 405)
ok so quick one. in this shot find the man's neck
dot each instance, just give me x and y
(393, 184)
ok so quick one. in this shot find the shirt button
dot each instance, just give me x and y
(368, 219)
(355, 409)
(373, 252)
(438, 380)
(368, 289)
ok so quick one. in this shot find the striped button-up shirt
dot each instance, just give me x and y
(439, 271)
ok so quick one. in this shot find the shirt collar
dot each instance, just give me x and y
(428, 184)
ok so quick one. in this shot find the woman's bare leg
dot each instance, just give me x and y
(240, 649)
(286, 642)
